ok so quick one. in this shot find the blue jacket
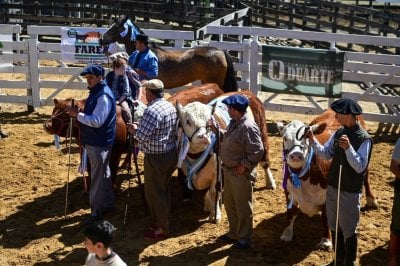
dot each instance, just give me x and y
(105, 135)
(147, 61)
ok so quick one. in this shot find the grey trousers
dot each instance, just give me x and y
(158, 169)
(101, 195)
(238, 202)
(349, 211)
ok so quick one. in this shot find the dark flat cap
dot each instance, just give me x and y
(93, 69)
(346, 106)
(237, 101)
(142, 37)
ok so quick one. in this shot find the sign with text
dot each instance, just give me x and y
(82, 45)
(302, 71)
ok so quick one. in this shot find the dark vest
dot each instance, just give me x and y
(351, 181)
(104, 135)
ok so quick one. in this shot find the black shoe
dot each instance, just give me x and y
(243, 245)
(109, 210)
(225, 238)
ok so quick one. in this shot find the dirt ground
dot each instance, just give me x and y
(34, 231)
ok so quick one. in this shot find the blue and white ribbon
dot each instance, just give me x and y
(57, 141)
(83, 165)
(134, 30)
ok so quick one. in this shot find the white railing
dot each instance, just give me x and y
(373, 70)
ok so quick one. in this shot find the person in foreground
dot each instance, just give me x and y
(97, 134)
(241, 150)
(394, 245)
(98, 238)
(350, 150)
(156, 136)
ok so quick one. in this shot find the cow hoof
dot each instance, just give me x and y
(215, 221)
(271, 185)
(325, 244)
(372, 204)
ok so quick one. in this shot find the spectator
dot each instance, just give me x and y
(156, 135)
(97, 135)
(98, 238)
(350, 150)
(394, 246)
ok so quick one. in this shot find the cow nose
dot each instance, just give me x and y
(296, 157)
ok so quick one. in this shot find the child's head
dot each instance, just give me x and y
(100, 232)
(119, 66)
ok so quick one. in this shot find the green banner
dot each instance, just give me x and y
(302, 71)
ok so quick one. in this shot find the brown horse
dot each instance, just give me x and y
(59, 124)
(178, 68)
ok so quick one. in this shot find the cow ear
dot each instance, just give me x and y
(318, 128)
(280, 127)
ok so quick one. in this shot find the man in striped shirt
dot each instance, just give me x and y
(156, 135)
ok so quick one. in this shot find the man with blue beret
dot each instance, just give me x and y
(97, 123)
(241, 150)
(350, 150)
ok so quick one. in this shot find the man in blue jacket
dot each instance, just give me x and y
(143, 60)
(97, 134)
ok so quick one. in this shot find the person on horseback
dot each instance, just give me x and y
(118, 81)
(143, 60)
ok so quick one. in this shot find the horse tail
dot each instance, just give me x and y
(230, 83)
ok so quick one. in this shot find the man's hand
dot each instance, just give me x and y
(132, 128)
(344, 142)
(72, 111)
(212, 124)
(239, 169)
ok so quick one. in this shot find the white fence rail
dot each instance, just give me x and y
(373, 70)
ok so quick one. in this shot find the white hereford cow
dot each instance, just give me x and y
(305, 181)
(197, 157)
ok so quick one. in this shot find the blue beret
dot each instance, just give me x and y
(346, 106)
(93, 69)
(142, 37)
(237, 101)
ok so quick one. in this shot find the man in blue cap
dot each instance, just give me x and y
(350, 150)
(97, 135)
(241, 150)
(143, 60)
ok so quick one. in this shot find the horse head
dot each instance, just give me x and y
(59, 122)
(124, 31)
(193, 118)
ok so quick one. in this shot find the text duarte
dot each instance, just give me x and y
(279, 71)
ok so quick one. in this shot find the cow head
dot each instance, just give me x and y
(193, 118)
(295, 146)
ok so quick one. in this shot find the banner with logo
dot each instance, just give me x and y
(82, 45)
(302, 71)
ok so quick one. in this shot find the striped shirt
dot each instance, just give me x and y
(156, 133)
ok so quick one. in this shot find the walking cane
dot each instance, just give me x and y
(71, 120)
(129, 186)
(337, 211)
(218, 185)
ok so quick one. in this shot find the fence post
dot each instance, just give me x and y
(33, 74)
(253, 65)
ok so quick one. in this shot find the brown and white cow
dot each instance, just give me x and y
(193, 118)
(305, 182)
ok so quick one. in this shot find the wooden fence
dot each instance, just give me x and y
(378, 73)
(326, 16)
(161, 14)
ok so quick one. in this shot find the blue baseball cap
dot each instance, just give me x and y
(93, 69)
(346, 106)
(237, 101)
